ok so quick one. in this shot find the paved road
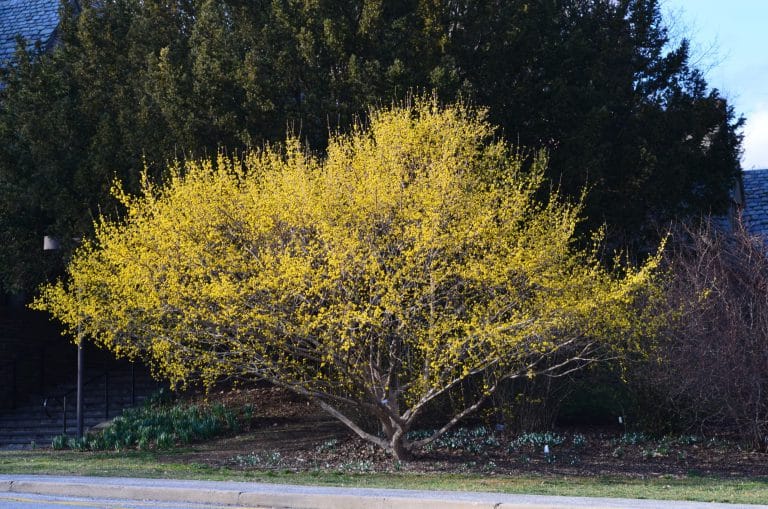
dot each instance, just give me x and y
(32, 501)
(239, 494)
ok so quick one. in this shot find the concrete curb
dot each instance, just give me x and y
(275, 496)
(261, 498)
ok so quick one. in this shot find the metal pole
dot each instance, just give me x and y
(133, 385)
(80, 386)
(52, 244)
(106, 394)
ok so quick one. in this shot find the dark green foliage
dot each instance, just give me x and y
(621, 110)
(70, 124)
(160, 426)
(144, 82)
(476, 440)
(537, 440)
(598, 396)
(59, 442)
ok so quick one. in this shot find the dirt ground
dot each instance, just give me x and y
(289, 434)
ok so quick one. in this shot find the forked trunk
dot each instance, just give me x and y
(399, 450)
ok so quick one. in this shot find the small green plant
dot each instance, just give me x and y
(93, 443)
(165, 440)
(269, 459)
(357, 467)
(59, 442)
(77, 444)
(247, 460)
(473, 440)
(490, 466)
(479, 432)
(578, 440)
(420, 434)
(327, 446)
(633, 438)
(687, 440)
(660, 451)
(536, 440)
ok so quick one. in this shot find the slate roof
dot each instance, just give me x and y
(755, 212)
(34, 20)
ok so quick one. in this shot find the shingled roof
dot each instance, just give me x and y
(34, 20)
(755, 211)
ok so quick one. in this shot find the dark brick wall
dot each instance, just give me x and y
(35, 359)
(33, 353)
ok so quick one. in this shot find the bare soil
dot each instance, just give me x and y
(290, 434)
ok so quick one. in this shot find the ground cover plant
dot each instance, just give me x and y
(162, 425)
(414, 257)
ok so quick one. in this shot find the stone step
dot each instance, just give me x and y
(35, 434)
(28, 422)
(39, 411)
(90, 405)
(89, 400)
(23, 422)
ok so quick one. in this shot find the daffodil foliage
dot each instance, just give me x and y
(413, 255)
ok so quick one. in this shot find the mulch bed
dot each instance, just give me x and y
(289, 434)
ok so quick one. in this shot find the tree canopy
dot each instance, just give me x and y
(413, 256)
(598, 84)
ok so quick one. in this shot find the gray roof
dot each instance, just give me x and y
(34, 20)
(755, 212)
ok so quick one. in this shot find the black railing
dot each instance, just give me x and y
(61, 400)
(12, 387)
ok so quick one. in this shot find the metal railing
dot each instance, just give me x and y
(61, 399)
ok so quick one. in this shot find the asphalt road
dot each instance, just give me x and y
(32, 501)
(129, 493)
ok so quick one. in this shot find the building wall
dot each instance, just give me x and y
(33, 355)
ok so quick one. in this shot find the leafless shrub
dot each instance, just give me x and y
(712, 361)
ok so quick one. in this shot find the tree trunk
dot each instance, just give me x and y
(399, 450)
(398, 443)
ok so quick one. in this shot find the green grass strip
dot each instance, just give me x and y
(148, 465)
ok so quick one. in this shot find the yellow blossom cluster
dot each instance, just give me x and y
(414, 254)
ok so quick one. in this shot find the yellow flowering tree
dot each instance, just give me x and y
(412, 256)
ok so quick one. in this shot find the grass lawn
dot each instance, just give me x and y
(155, 465)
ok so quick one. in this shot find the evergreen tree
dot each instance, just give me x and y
(597, 83)
(144, 82)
